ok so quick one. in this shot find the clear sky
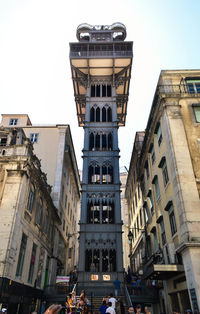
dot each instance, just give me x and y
(35, 76)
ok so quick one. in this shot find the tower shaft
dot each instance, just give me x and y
(101, 68)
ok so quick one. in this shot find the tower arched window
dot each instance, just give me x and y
(109, 91)
(94, 174)
(107, 174)
(103, 114)
(92, 260)
(110, 141)
(98, 114)
(106, 114)
(104, 141)
(91, 142)
(108, 212)
(98, 90)
(109, 114)
(105, 260)
(88, 260)
(92, 114)
(108, 260)
(92, 90)
(93, 212)
(112, 260)
(97, 141)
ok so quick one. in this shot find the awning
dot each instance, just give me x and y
(162, 271)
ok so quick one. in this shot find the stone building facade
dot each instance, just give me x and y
(29, 224)
(53, 145)
(169, 175)
(125, 219)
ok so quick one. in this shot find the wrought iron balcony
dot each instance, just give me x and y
(100, 53)
(155, 268)
(112, 50)
(178, 89)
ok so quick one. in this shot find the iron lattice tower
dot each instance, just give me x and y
(101, 69)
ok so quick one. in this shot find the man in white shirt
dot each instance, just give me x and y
(110, 309)
(113, 301)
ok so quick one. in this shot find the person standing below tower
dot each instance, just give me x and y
(117, 285)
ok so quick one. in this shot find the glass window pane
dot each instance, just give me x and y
(21, 255)
(197, 113)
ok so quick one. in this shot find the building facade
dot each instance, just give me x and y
(101, 66)
(125, 219)
(168, 172)
(53, 145)
(29, 224)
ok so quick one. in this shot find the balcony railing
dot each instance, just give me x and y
(100, 53)
(176, 89)
(143, 290)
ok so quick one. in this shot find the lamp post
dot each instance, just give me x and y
(130, 234)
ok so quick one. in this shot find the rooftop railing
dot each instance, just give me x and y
(177, 89)
(101, 53)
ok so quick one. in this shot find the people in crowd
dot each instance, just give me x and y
(103, 307)
(113, 301)
(131, 310)
(74, 301)
(138, 309)
(117, 284)
(84, 302)
(146, 310)
(78, 309)
(106, 298)
(69, 303)
(110, 309)
(176, 311)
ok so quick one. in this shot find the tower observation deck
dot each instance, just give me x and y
(101, 69)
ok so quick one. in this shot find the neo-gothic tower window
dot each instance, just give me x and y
(104, 115)
(92, 114)
(97, 175)
(92, 260)
(110, 142)
(94, 174)
(107, 174)
(100, 211)
(107, 143)
(108, 260)
(95, 141)
(101, 90)
(95, 114)
(108, 213)
(91, 142)
(93, 212)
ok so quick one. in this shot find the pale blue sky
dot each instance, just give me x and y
(35, 76)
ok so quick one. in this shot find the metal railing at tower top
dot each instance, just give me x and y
(101, 53)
